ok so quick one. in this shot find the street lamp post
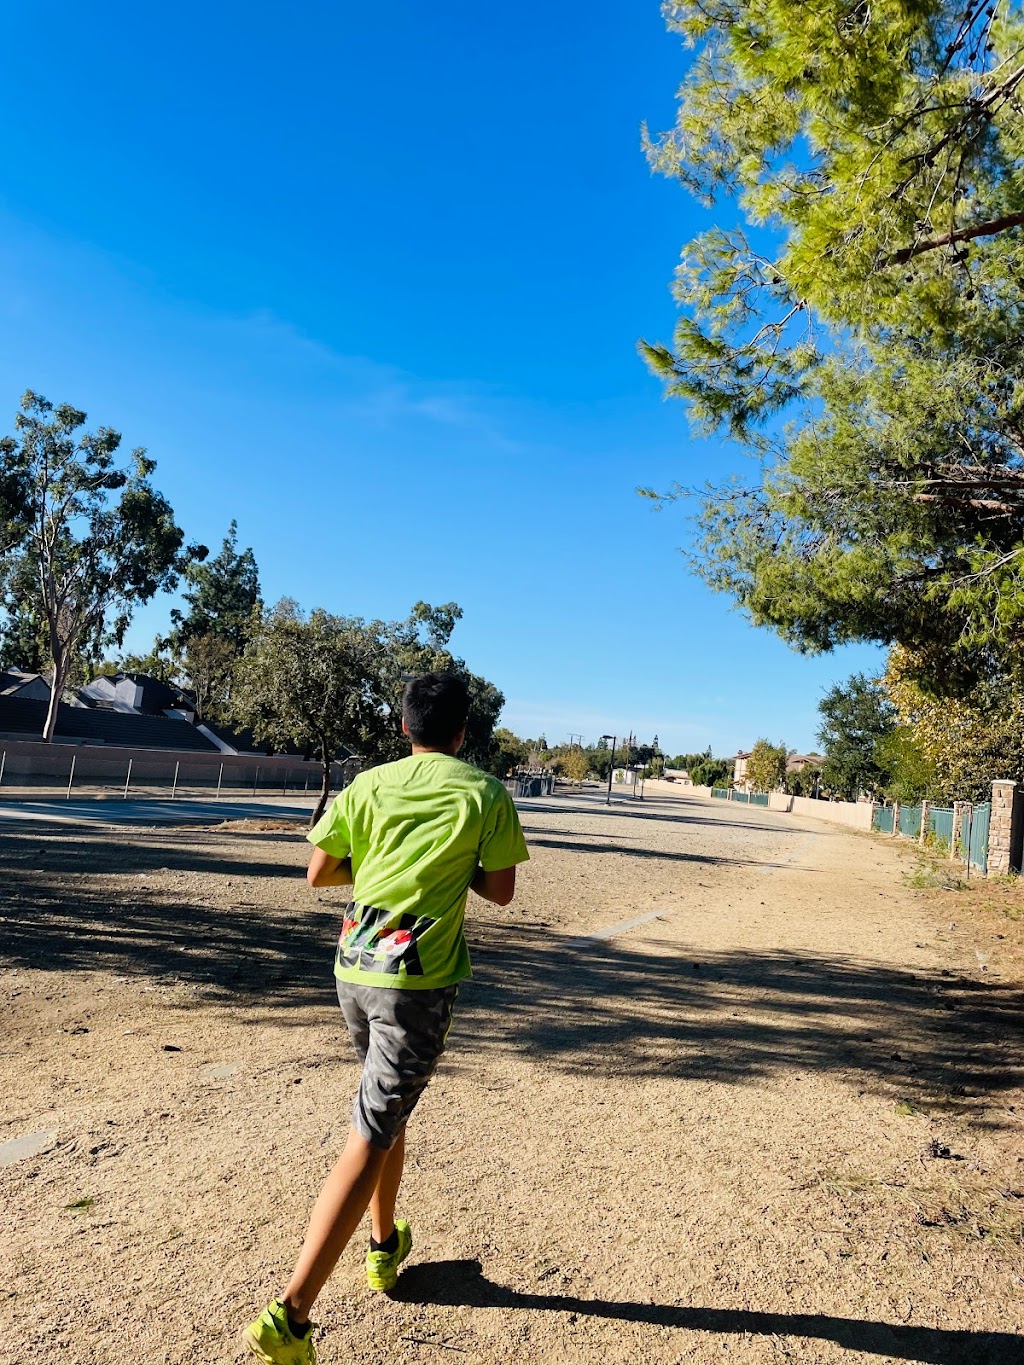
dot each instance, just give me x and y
(611, 765)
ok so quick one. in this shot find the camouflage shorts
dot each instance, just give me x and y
(398, 1036)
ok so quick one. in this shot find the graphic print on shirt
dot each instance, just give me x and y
(376, 940)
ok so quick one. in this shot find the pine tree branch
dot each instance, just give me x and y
(989, 229)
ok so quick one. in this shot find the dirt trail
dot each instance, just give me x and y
(725, 1087)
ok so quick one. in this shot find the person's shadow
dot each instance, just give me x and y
(463, 1283)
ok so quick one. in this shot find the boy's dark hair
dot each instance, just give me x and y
(435, 708)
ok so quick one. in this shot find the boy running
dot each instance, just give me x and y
(410, 838)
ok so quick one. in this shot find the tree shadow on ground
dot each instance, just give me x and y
(625, 808)
(585, 1006)
(739, 1015)
(463, 1284)
(59, 916)
(542, 839)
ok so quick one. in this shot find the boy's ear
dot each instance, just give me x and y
(405, 728)
(460, 739)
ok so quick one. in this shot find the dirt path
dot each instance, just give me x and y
(725, 1087)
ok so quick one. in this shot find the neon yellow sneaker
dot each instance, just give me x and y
(271, 1340)
(382, 1266)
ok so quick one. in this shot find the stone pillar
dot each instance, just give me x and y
(958, 844)
(895, 818)
(1005, 829)
(922, 837)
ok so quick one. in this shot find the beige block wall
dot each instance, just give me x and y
(855, 814)
(657, 787)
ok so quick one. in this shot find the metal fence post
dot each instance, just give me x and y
(174, 788)
(220, 779)
(128, 779)
(3, 765)
(256, 779)
(284, 789)
(71, 776)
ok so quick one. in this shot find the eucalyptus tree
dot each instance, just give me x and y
(91, 541)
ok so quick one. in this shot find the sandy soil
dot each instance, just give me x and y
(778, 1119)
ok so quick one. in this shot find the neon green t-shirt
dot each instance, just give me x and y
(415, 831)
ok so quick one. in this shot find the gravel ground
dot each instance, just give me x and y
(727, 1086)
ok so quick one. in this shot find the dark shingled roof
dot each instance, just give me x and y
(157, 697)
(13, 678)
(244, 742)
(23, 719)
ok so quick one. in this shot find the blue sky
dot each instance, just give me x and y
(370, 280)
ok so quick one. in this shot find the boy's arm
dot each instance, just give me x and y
(327, 871)
(497, 887)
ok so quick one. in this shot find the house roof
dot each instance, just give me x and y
(243, 741)
(23, 719)
(157, 697)
(14, 678)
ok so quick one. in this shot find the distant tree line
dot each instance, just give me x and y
(578, 762)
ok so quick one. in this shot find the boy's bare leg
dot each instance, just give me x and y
(385, 1196)
(336, 1214)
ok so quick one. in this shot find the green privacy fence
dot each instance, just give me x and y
(745, 798)
(910, 822)
(940, 826)
(882, 819)
(938, 823)
(977, 835)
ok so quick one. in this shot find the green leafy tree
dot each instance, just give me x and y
(599, 761)
(206, 667)
(537, 753)
(420, 644)
(804, 781)
(24, 636)
(510, 751)
(856, 718)
(880, 147)
(685, 762)
(316, 682)
(575, 765)
(157, 663)
(880, 144)
(323, 682)
(766, 766)
(100, 539)
(911, 774)
(954, 748)
(711, 772)
(222, 593)
(876, 525)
